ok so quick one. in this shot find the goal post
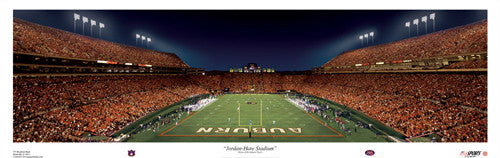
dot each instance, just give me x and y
(260, 117)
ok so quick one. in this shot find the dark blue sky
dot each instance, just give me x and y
(285, 39)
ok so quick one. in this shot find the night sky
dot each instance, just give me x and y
(287, 40)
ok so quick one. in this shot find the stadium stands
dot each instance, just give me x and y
(469, 64)
(416, 104)
(470, 38)
(36, 39)
(52, 109)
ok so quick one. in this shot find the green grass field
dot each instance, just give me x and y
(291, 124)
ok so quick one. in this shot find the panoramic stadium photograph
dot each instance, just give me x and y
(250, 76)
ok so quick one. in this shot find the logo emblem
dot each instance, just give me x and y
(131, 153)
(472, 154)
(463, 153)
(369, 152)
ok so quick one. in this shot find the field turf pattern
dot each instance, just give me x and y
(285, 113)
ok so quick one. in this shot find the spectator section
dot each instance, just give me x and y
(63, 108)
(36, 39)
(456, 41)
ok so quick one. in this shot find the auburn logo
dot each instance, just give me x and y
(131, 153)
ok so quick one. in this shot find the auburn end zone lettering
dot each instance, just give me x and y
(273, 130)
(204, 130)
(296, 130)
(222, 130)
(236, 130)
(245, 130)
(259, 130)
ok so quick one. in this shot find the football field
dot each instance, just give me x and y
(266, 117)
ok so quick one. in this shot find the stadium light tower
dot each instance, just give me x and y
(361, 38)
(407, 24)
(142, 41)
(433, 18)
(92, 23)
(101, 25)
(424, 19)
(84, 20)
(366, 36)
(75, 18)
(137, 36)
(372, 35)
(415, 22)
(148, 40)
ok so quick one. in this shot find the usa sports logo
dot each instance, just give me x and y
(472, 154)
(369, 152)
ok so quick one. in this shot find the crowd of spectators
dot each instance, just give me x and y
(470, 38)
(415, 104)
(198, 105)
(37, 39)
(56, 109)
(304, 104)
